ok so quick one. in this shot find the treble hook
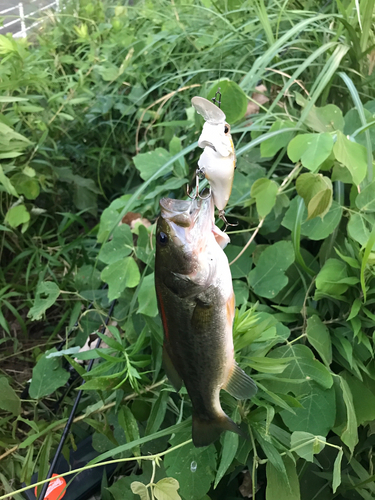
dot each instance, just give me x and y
(217, 101)
(222, 217)
(198, 175)
(205, 197)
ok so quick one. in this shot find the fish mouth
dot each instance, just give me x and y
(181, 212)
(192, 214)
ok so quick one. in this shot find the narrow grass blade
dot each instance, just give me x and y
(359, 106)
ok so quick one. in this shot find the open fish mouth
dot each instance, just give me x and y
(181, 212)
(188, 217)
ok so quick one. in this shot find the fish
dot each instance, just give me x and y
(196, 302)
(218, 160)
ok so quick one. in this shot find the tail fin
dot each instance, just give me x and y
(206, 431)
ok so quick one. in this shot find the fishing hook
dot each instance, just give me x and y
(223, 218)
(205, 197)
(217, 101)
(199, 174)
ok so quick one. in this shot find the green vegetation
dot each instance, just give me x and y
(96, 125)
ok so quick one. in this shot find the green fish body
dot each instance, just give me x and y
(196, 303)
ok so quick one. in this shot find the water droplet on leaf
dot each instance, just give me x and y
(193, 466)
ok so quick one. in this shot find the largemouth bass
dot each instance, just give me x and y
(196, 303)
(218, 160)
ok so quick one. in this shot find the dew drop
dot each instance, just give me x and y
(193, 466)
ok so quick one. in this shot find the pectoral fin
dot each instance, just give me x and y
(240, 385)
(170, 370)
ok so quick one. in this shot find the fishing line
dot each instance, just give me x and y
(73, 411)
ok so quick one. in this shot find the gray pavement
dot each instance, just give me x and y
(29, 6)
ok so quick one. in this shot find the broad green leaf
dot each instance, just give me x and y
(123, 273)
(108, 71)
(359, 227)
(264, 191)
(122, 488)
(268, 277)
(316, 190)
(306, 445)
(17, 215)
(303, 367)
(9, 401)
(332, 279)
(87, 278)
(6, 183)
(319, 337)
(166, 489)
(45, 296)
(140, 489)
(366, 198)
(311, 149)
(282, 486)
(353, 122)
(26, 185)
(147, 297)
(242, 266)
(348, 434)
(242, 183)
(233, 99)
(119, 247)
(363, 399)
(149, 163)
(326, 119)
(195, 481)
(107, 222)
(317, 228)
(336, 481)
(353, 156)
(241, 292)
(48, 375)
(228, 452)
(317, 414)
(270, 147)
(341, 173)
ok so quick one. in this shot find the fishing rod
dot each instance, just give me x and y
(74, 409)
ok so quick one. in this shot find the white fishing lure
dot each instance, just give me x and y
(218, 160)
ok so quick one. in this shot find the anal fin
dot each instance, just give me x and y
(240, 385)
(170, 370)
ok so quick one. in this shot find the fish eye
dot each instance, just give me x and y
(226, 129)
(162, 239)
